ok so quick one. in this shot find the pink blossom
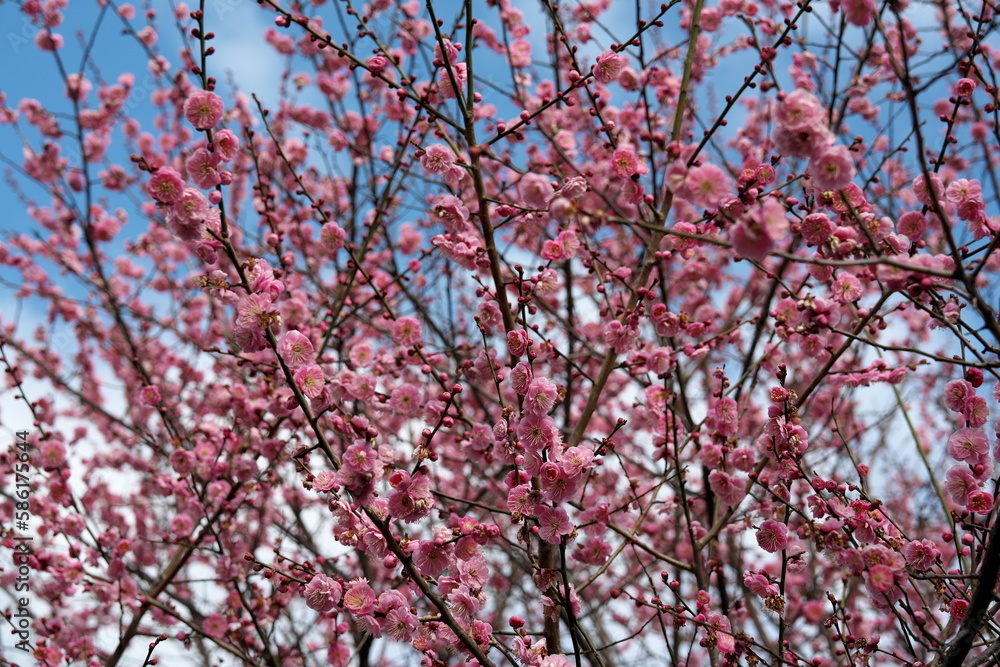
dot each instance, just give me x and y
(165, 185)
(186, 217)
(437, 159)
(537, 431)
(759, 584)
(959, 482)
(912, 224)
(520, 377)
(963, 190)
(557, 485)
(225, 144)
(609, 66)
(620, 336)
(846, 287)
(149, 395)
(880, 577)
(705, 186)
(772, 536)
(203, 109)
(817, 228)
(970, 445)
(519, 500)
(215, 625)
(921, 555)
(400, 624)
(957, 393)
(360, 457)
(540, 396)
(296, 349)
(256, 313)
(407, 331)
(802, 142)
(377, 64)
(52, 455)
(923, 191)
(800, 109)
(832, 169)
(182, 461)
(625, 162)
(359, 598)
(322, 594)
(535, 190)
(463, 604)
(517, 342)
(965, 87)
(200, 167)
(553, 523)
(979, 502)
(859, 12)
(325, 480)
(730, 489)
(431, 557)
(310, 380)
(750, 241)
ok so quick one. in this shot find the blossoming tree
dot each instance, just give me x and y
(506, 333)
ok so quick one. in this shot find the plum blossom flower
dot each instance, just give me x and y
(846, 287)
(976, 411)
(923, 190)
(772, 536)
(965, 87)
(203, 109)
(705, 186)
(800, 109)
(817, 228)
(859, 12)
(970, 445)
(325, 480)
(215, 625)
(802, 142)
(921, 555)
(553, 523)
(149, 395)
(322, 594)
(535, 191)
(431, 557)
(957, 393)
(979, 502)
(832, 169)
(310, 380)
(359, 598)
(609, 67)
(540, 397)
(53, 455)
(537, 431)
(296, 349)
(377, 64)
(407, 331)
(165, 185)
(625, 162)
(400, 624)
(200, 167)
(437, 159)
(410, 498)
(731, 490)
(959, 482)
(225, 144)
